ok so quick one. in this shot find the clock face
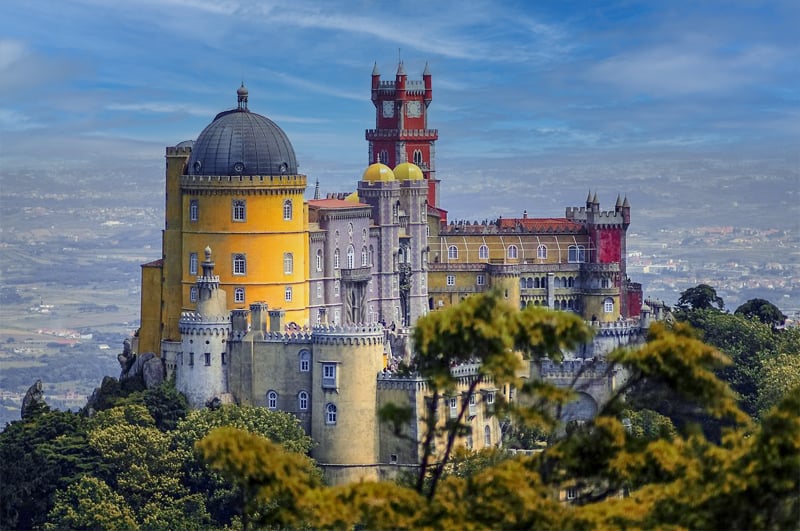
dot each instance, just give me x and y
(413, 109)
(388, 109)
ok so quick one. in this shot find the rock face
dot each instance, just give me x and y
(146, 366)
(33, 401)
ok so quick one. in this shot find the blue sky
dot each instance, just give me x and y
(519, 86)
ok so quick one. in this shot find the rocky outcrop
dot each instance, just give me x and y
(33, 401)
(148, 367)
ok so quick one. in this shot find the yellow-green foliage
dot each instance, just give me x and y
(666, 480)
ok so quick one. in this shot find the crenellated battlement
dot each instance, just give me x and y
(367, 334)
(575, 368)
(244, 181)
(303, 337)
(596, 217)
(623, 327)
(179, 151)
(192, 318)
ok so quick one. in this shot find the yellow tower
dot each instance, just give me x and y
(237, 190)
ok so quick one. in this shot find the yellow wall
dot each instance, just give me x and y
(149, 339)
(263, 238)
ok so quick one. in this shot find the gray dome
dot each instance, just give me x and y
(240, 142)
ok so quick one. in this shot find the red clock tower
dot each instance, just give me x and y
(401, 131)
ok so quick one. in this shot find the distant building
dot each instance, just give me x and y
(264, 298)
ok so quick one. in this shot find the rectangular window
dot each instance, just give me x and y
(319, 290)
(191, 358)
(194, 210)
(480, 280)
(336, 287)
(329, 375)
(239, 264)
(207, 358)
(239, 210)
(453, 403)
(192, 263)
(223, 358)
(451, 280)
(473, 406)
(193, 294)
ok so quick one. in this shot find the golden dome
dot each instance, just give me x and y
(352, 198)
(378, 172)
(408, 172)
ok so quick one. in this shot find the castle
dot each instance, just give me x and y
(262, 297)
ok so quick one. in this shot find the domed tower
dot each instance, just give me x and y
(237, 189)
(200, 366)
(380, 189)
(413, 242)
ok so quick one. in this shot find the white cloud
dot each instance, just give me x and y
(689, 67)
(11, 51)
(161, 108)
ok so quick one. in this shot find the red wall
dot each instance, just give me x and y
(609, 248)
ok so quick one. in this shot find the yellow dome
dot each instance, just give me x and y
(378, 172)
(408, 172)
(352, 198)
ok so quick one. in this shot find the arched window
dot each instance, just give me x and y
(483, 252)
(330, 414)
(194, 210)
(272, 400)
(541, 252)
(452, 252)
(512, 252)
(192, 263)
(351, 257)
(302, 401)
(608, 305)
(305, 361)
(396, 213)
(487, 436)
(239, 264)
(288, 263)
(557, 282)
(336, 259)
(287, 294)
(576, 253)
(238, 295)
(319, 259)
(193, 294)
(530, 282)
(536, 282)
(287, 210)
(364, 257)
(418, 157)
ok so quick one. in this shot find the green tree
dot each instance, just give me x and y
(39, 456)
(145, 469)
(763, 310)
(482, 329)
(223, 498)
(270, 479)
(700, 297)
(90, 504)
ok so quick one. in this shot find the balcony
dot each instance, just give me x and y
(356, 274)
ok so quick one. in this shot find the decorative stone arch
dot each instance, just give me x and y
(582, 409)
